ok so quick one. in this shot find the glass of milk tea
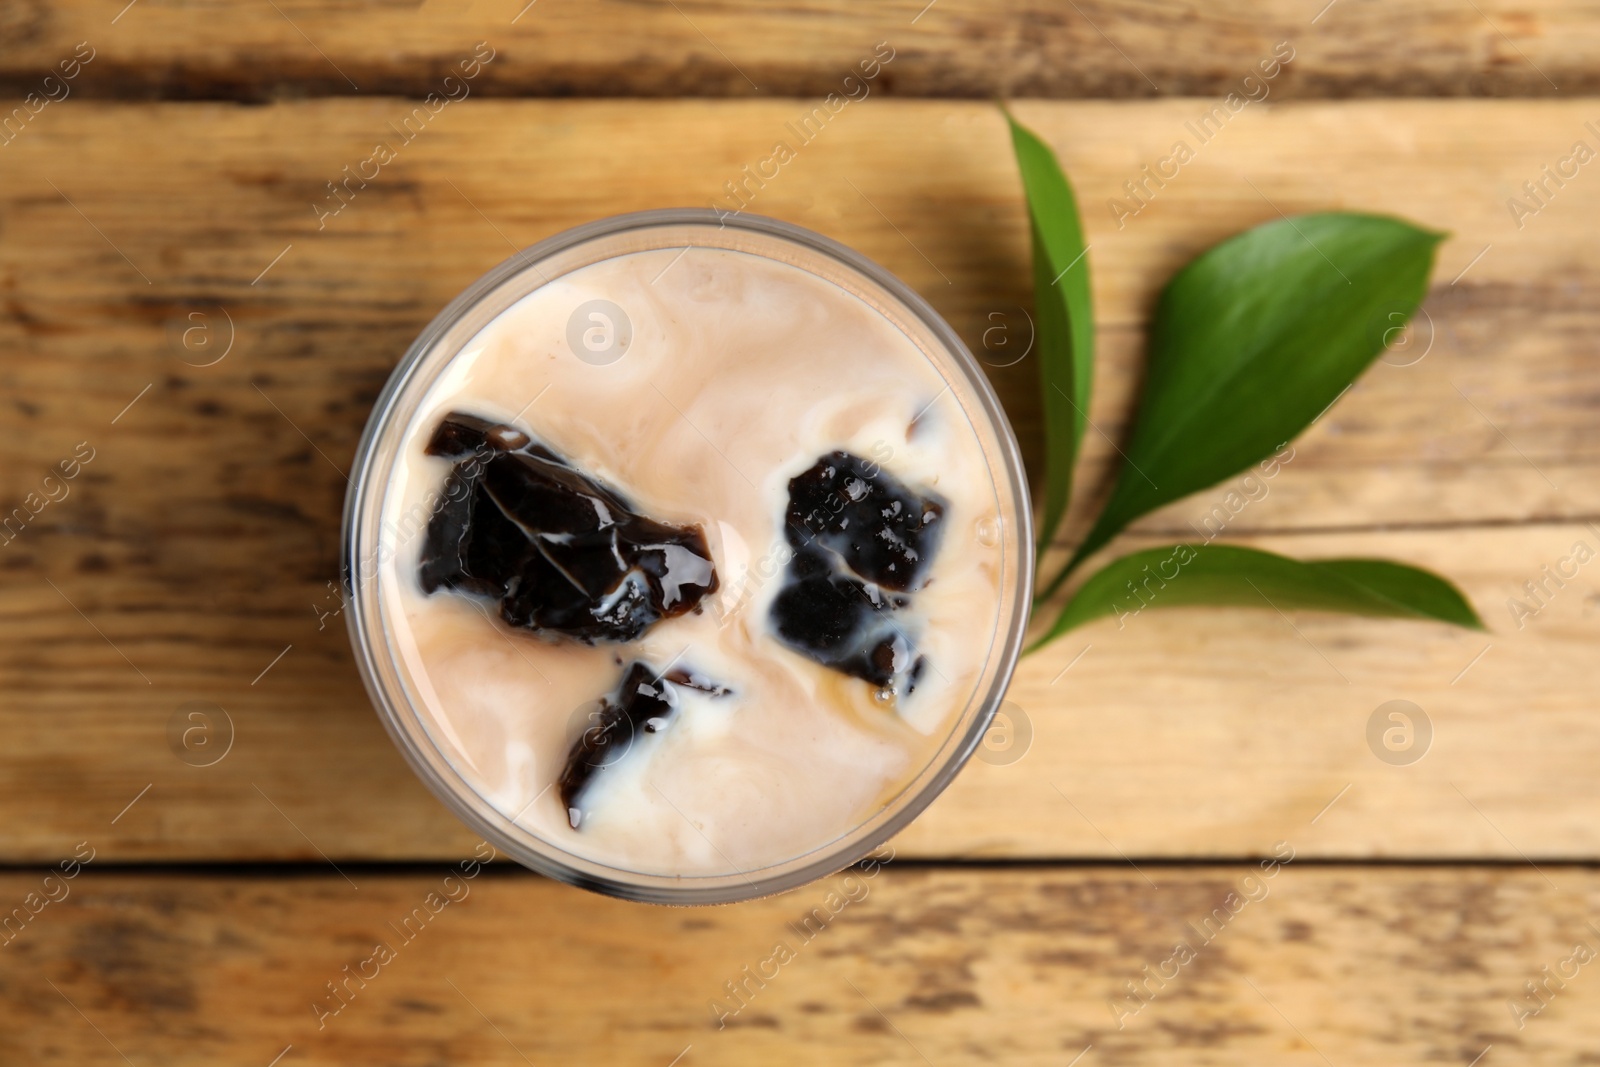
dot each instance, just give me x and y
(688, 556)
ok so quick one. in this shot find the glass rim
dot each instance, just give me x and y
(375, 659)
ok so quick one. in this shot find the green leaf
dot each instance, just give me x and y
(1064, 332)
(1252, 341)
(1184, 575)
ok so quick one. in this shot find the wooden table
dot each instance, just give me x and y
(182, 331)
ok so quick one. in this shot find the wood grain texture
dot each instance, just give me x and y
(1015, 966)
(948, 48)
(199, 542)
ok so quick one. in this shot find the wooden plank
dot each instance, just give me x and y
(947, 48)
(1028, 966)
(1180, 734)
(215, 194)
(199, 541)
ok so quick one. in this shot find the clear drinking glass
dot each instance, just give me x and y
(455, 326)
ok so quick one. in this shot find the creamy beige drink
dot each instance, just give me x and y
(706, 390)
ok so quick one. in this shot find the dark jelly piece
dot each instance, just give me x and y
(690, 680)
(471, 546)
(444, 552)
(460, 435)
(551, 497)
(644, 702)
(855, 509)
(545, 599)
(561, 552)
(844, 624)
(863, 543)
